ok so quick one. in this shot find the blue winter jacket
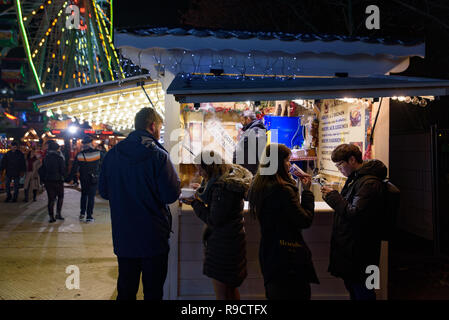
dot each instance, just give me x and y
(139, 180)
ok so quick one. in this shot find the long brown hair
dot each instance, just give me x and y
(263, 183)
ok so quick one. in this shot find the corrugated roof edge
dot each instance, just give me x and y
(238, 34)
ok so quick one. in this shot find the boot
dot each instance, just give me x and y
(52, 218)
(59, 217)
(34, 195)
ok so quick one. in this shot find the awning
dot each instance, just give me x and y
(201, 88)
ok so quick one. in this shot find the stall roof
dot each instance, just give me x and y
(247, 41)
(91, 89)
(200, 88)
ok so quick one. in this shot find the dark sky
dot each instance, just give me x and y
(152, 13)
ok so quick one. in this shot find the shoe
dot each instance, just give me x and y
(25, 200)
(82, 216)
(90, 220)
(59, 217)
(7, 199)
(34, 200)
(14, 200)
(52, 219)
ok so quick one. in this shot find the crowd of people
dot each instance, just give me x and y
(47, 167)
(141, 218)
(139, 180)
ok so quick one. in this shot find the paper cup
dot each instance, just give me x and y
(187, 192)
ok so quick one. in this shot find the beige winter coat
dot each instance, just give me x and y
(32, 180)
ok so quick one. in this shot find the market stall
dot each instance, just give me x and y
(209, 77)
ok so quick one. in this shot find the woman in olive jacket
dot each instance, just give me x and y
(285, 259)
(219, 204)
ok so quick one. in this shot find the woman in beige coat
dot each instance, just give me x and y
(32, 181)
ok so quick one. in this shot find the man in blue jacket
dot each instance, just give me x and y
(139, 180)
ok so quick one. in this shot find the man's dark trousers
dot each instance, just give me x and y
(359, 291)
(8, 186)
(54, 189)
(88, 192)
(154, 273)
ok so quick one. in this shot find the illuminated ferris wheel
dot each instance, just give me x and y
(68, 42)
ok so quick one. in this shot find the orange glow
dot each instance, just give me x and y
(10, 116)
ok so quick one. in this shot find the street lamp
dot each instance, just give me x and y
(73, 129)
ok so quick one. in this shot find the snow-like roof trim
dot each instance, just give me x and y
(245, 41)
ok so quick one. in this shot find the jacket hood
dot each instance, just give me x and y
(374, 168)
(254, 124)
(237, 179)
(135, 147)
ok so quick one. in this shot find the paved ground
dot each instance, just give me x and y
(34, 254)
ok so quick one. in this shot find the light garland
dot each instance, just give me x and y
(421, 101)
(116, 109)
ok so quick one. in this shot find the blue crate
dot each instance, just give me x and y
(287, 128)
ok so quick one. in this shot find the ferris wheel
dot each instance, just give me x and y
(68, 42)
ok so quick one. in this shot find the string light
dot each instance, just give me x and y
(119, 114)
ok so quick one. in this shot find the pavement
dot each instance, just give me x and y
(34, 254)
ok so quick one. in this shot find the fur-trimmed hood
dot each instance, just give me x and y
(237, 179)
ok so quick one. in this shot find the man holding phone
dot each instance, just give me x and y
(355, 241)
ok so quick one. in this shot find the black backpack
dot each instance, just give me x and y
(388, 216)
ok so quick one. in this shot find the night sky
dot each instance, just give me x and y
(153, 13)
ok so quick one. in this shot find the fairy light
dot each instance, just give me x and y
(111, 44)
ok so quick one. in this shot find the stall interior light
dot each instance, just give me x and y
(115, 109)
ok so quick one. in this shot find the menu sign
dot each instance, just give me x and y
(340, 122)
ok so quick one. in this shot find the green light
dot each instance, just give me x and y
(112, 21)
(26, 44)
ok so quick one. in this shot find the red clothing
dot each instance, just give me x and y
(30, 162)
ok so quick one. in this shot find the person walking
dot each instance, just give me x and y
(219, 204)
(52, 174)
(32, 180)
(140, 181)
(285, 259)
(13, 163)
(87, 163)
(355, 240)
(251, 143)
